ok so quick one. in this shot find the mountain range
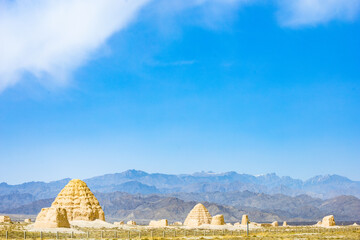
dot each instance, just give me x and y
(143, 196)
(259, 206)
(134, 181)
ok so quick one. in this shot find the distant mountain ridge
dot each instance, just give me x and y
(142, 196)
(38, 189)
(260, 207)
(135, 181)
(327, 186)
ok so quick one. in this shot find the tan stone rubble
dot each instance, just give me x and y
(5, 219)
(328, 221)
(275, 224)
(159, 223)
(177, 224)
(254, 224)
(52, 218)
(119, 223)
(218, 220)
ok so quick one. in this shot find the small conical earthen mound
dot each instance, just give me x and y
(198, 215)
(79, 202)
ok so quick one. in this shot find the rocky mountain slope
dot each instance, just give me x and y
(299, 207)
(145, 208)
(260, 207)
(14, 200)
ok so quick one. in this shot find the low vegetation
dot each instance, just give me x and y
(18, 231)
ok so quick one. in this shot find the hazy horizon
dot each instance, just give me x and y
(193, 173)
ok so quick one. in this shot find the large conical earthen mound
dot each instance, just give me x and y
(79, 202)
(74, 202)
(198, 215)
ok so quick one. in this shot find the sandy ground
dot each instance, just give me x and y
(99, 224)
(220, 227)
(81, 224)
(31, 228)
(92, 224)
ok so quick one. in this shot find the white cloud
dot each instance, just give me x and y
(50, 38)
(170, 15)
(295, 13)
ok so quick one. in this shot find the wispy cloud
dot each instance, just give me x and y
(171, 15)
(50, 38)
(294, 13)
(172, 64)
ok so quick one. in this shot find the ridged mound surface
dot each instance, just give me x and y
(198, 215)
(79, 202)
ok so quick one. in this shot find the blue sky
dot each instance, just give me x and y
(253, 86)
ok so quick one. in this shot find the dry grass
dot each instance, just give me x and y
(16, 231)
